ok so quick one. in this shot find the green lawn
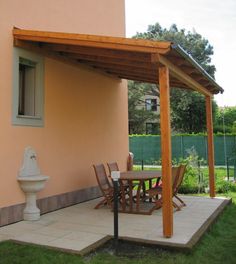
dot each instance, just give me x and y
(217, 246)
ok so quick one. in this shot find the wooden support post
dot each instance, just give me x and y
(167, 209)
(210, 145)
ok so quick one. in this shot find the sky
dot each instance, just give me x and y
(215, 20)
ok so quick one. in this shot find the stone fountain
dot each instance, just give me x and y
(31, 181)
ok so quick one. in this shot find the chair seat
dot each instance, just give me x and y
(154, 191)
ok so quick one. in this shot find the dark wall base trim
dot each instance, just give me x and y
(14, 213)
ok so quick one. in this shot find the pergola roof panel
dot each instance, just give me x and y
(133, 59)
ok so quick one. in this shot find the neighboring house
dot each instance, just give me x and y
(152, 104)
(65, 113)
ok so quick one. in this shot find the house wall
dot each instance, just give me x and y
(86, 120)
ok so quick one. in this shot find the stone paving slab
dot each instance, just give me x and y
(80, 228)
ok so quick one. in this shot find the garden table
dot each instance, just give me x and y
(140, 177)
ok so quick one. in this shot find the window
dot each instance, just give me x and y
(151, 128)
(151, 104)
(28, 88)
(26, 105)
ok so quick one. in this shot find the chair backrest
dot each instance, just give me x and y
(181, 175)
(130, 161)
(112, 166)
(101, 177)
(175, 177)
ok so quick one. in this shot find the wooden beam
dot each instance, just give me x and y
(183, 77)
(154, 58)
(129, 74)
(112, 61)
(179, 61)
(109, 53)
(167, 209)
(210, 144)
(110, 66)
(119, 43)
(135, 78)
(175, 84)
(189, 70)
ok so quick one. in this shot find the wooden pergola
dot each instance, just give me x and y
(158, 62)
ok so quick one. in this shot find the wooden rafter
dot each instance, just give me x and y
(105, 60)
(130, 68)
(135, 78)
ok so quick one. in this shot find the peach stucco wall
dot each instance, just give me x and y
(86, 118)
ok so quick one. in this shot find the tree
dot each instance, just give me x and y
(187, 107)
(225, 120)
(188, 111)
(192, 42)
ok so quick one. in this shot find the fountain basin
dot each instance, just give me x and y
(30, 185)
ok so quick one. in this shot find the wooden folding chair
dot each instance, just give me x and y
(104, 185)
(179, 182)
(156, 192)
(113, 166)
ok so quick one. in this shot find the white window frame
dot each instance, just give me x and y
(150, 103)
(23, 120)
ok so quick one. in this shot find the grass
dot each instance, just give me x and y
(12, 253)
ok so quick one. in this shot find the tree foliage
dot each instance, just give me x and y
(188, 111)
(225, 120)
(192, 42)
(187, 107)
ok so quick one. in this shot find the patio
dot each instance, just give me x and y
(158, 62)
(80, 228)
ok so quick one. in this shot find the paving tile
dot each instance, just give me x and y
(26, 225)
(34, 238)
(53, 232)
(69, 244)
(106, 230)
(11, 230)
(45, 220)
(66, 226)
(4, 237)
(79, 235)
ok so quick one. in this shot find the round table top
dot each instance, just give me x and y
(140, 175)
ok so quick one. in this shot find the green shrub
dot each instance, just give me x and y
(223, 186)
(193, 178)
(188, 189)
